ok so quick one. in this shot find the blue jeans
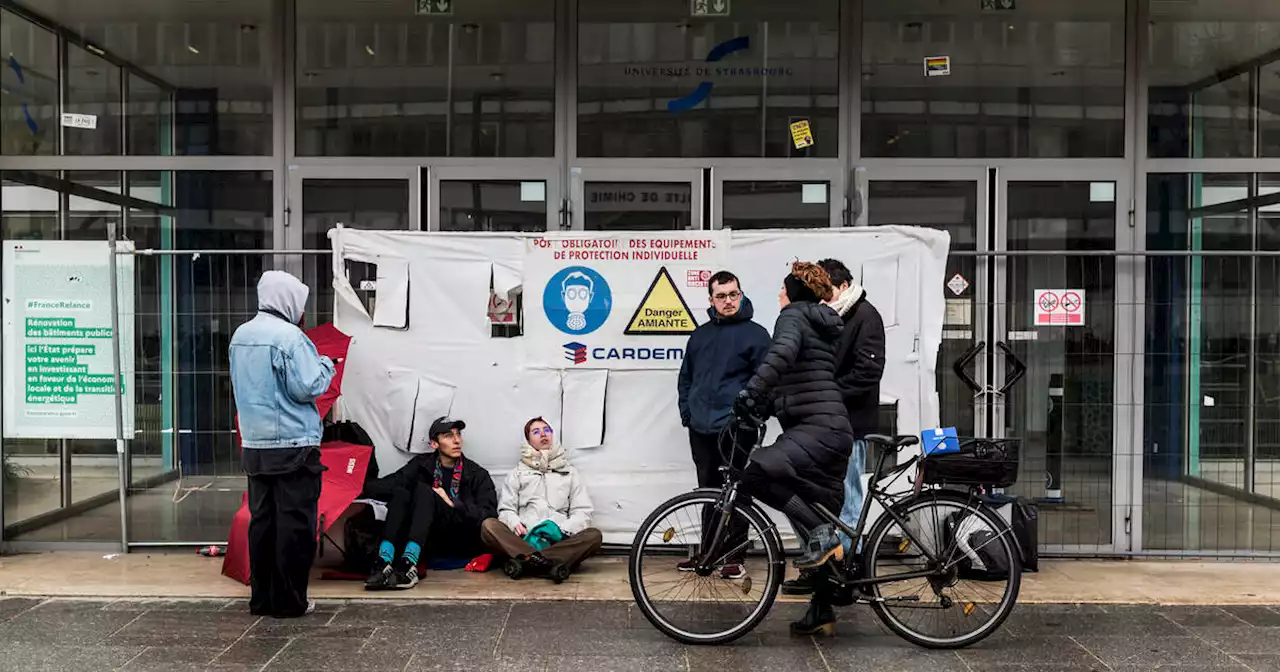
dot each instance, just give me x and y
(853, 492)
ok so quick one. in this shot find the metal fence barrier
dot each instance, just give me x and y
(1151, 428)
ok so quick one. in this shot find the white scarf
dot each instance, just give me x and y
(847, 298)
(552, 459)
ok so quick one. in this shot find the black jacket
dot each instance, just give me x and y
(860, 365)
(799, 374)
(719, 359)
(477, 496)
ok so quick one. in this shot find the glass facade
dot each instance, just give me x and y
(1126, 150)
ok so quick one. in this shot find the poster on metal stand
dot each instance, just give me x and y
(59, 377)
(617, 300)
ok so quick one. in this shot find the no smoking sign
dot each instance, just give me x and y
(1059, 308)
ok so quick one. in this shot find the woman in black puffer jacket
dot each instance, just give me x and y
(797, 382)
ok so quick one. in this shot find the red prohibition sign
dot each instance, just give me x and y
(1071, 302)
(1049, 302)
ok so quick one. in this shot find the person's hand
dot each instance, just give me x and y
(521, 529)
(443, 495)
(749, 404)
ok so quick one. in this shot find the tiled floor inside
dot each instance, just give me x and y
(84, 636)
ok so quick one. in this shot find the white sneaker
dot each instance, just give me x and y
(311, 608)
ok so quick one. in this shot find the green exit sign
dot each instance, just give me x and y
(433, 7)
(708, 8)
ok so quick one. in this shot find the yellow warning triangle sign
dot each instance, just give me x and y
(663, 311)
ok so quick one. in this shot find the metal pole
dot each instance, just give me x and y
(119, 389)
(1251, 372)
(448, 97)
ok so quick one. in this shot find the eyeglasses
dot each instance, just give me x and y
(542, 431)
(731, 296)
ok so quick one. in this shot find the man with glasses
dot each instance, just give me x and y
(721, 356)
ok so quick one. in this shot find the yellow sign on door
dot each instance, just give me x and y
(801, 135)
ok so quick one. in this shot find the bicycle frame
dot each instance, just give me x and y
(728, 500)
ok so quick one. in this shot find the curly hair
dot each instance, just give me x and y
(815, 278)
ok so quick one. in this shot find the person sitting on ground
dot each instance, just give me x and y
(435, 506)
(544, 513)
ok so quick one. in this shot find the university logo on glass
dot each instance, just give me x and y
(707, 72)
(577, 300)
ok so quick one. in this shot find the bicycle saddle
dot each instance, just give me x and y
(900, 441)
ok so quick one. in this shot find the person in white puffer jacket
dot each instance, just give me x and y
(543, 526)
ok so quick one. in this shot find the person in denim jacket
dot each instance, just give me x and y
(277, 375)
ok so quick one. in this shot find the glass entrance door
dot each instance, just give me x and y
(651, 199)
(955, 201)
(777, 198)
(1058, 292)
(1033, 289)
(320, 199)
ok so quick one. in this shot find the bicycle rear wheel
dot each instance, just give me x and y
(705, 608)
(972, 589)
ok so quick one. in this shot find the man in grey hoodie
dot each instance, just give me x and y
(277, 375)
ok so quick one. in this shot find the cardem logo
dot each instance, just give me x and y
(717, 53)
(577, 300)
(575, 352)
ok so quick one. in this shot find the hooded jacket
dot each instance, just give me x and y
(719, 359)
(276, 373)
(530, 496)
(798, 373)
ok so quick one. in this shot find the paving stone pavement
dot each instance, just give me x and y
(138, 635)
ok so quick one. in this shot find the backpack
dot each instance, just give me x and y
(980, 556)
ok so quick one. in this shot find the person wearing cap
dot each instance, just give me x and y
(276, 377)
(543, 526)
(435, 506)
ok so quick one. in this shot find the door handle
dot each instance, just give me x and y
(963, 361)
(1019, 368)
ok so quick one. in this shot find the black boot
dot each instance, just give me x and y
(820, 619)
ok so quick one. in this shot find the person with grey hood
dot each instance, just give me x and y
(277, 375)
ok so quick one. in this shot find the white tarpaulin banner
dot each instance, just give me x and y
(617, 300)
(618, 417)
(59, 373)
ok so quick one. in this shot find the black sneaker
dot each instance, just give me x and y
(404, 575)
(381, 577)
(514, 568)
(801, 585)
(559, 573)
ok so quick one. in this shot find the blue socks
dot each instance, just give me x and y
(387, 551)
(411, 553)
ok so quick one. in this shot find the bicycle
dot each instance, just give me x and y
(955, 517)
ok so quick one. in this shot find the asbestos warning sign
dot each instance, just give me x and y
(663, 311)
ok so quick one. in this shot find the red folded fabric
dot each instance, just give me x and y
(480, 564)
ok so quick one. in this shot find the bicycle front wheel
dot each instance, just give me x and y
(971, 582)
(709, 607)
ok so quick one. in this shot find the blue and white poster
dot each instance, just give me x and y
(617, 300)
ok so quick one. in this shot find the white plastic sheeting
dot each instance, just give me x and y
(427, 351)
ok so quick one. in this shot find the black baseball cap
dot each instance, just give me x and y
(444, 424)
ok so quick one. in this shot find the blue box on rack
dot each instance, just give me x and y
(940, 441)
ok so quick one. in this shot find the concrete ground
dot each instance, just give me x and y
(187, 575)
(82, 612)
(473, 636)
